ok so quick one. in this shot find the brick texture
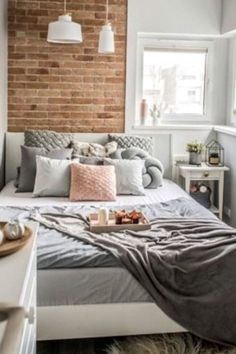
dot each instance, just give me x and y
(65, 87)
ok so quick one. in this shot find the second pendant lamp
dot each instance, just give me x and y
(106, 37)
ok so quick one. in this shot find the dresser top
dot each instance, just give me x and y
(14, 271)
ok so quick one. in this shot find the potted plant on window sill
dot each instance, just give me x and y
(195, 153)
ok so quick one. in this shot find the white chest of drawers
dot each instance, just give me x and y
(18, 289)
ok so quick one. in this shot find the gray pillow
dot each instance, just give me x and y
(28, 164)
(47, 139)
(16, 182)
(128, 176)
(127, 141)
(52, 177)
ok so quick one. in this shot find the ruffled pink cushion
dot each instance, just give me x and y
(90, 182)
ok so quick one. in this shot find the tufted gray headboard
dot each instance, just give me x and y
(162, 150)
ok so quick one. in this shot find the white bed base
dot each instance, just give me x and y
(102, 320)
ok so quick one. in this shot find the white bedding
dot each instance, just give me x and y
(168, 191)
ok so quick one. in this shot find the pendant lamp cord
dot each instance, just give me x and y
(65, 7)
(107, 9)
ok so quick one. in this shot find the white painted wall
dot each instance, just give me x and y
(3, 83)
(182, 18)
(230, 82)
(228, 16)
(175, 16)
(229, 144)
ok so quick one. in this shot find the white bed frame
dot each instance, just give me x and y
(102, 320)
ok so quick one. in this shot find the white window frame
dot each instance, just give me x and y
(158, 43)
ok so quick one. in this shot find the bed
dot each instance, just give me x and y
(110, 311)
(87, 301)
(60, 316)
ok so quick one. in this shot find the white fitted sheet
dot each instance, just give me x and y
(168, 191)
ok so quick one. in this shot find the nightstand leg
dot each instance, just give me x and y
(187, 184)
(221, 195)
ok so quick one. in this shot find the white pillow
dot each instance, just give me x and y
(129, 176)
(52, 177)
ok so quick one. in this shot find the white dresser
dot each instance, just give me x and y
(18, 297)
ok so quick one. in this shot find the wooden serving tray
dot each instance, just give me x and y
(113, 227)
(9, 247)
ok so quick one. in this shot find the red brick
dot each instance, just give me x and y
(65, 87)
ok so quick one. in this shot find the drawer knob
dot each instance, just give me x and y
(31, 315)
(206, 174)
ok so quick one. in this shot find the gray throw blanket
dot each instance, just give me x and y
(187, 265)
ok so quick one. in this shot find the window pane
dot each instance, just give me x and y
(174, 80)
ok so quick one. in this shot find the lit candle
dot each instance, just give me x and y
(103, 216)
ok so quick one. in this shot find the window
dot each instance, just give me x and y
(174, 77)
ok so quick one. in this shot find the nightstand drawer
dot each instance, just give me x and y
(205, 174)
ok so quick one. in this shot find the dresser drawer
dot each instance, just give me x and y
(205, 174)
(30, 280)
(29, 332)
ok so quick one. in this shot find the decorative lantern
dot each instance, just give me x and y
(214, 154)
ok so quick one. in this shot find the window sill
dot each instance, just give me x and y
(167, 127)
(225, 130)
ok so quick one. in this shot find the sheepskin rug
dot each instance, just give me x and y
(166, 344)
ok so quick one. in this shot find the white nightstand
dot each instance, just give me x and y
(206, 173)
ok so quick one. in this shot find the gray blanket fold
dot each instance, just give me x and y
(187, 265)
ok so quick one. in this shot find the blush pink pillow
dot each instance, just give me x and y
(90, 182)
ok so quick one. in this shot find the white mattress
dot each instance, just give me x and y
(168, 191)
(57, 287)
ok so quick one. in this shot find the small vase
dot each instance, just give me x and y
(143, 111)
(195, 158)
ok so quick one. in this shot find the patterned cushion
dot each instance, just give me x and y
(47, 139)
(128, 141)
(93, 149)
(90, 182)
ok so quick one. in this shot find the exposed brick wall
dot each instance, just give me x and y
(65, 87)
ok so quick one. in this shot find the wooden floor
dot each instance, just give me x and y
(86, 346)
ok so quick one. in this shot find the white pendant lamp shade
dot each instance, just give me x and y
(64, 31)
(106, 43)
(106, 40)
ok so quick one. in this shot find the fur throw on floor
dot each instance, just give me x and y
(167, 344)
